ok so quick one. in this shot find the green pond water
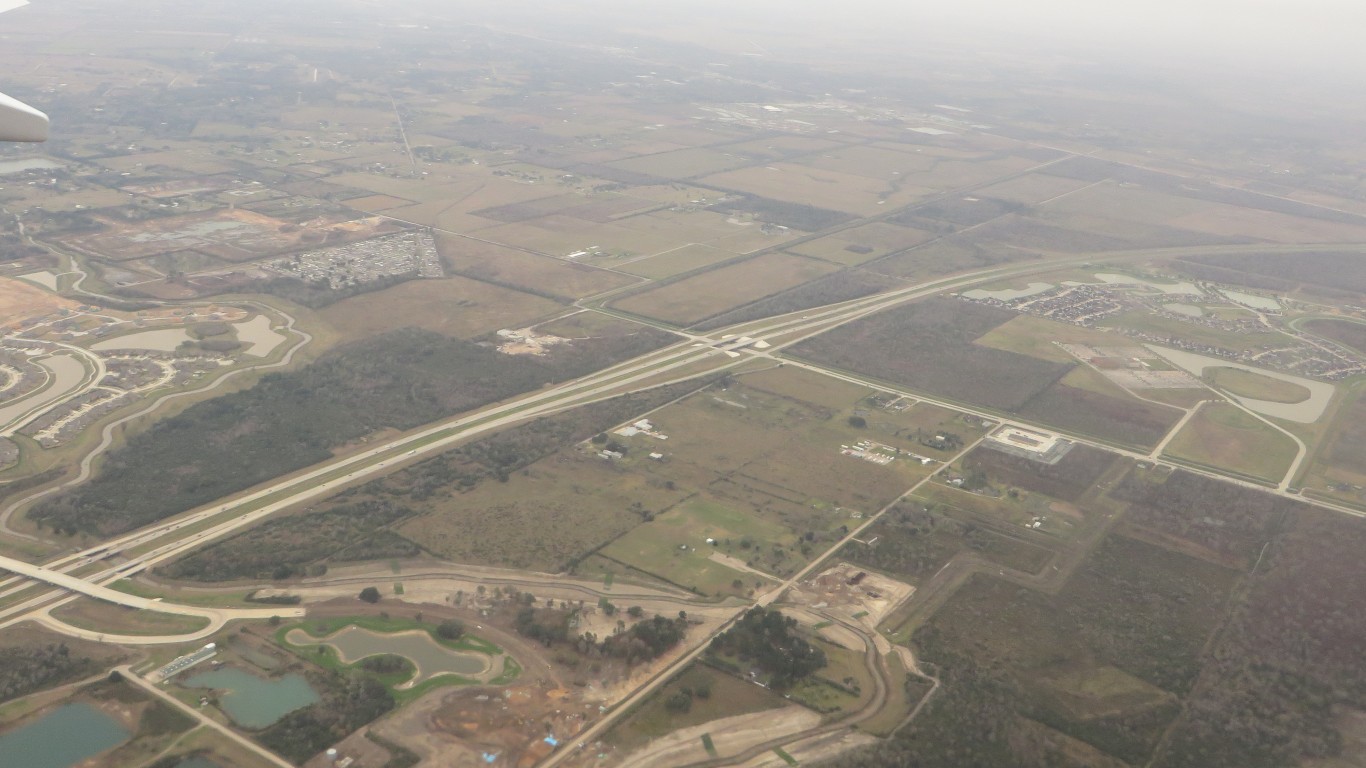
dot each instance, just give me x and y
(197, 762)
(62, 738)
(255, 702)
(432, 659)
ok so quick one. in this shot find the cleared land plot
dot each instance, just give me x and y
(726, 696)
(677, 261)
(1224, 436)
(235, 235)
(928, 346)
(1103, 660)
(454, 306)
(701, 296)
(517, 269)
(1256, 386)
(1036, 337)
(674, 546)
(860, 244)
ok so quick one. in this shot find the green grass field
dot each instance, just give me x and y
(1224, 436)
(674, 546)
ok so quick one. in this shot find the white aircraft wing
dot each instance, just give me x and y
(20, 122)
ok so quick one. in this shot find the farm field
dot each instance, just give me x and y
(453, 306)
(699, 297)
(670, 263)
(1349, 333)
(851, 247)
(675, 547)
(1256, 386)
(516, 269)
(1225, 437)
(1339, 466)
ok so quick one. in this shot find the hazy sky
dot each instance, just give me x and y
(1260, 34)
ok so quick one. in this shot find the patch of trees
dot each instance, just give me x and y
(768, 640)
(1289, 661)
(319, 293)
(645, 640)
(807, 218)
(384, 664)
(286, 547)
(369, 595)
(914, 542)
(355, 525)
(290, 420)
(1341, 271)
(347, 704)
(25, 669)
(1232, 523)
(971, 723)
(1066, 480)
(1121, 419)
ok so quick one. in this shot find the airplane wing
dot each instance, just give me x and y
(20, 122)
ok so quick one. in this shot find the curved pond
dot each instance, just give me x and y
(62, 738)
(430, 657)
(159, 340)
(255, 702)
(1306, 411)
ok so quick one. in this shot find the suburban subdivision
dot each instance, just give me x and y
(406, 389)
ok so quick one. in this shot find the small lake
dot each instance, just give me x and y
(160, 340)
(430, 657)
(255, 702)
(1187, 289)
(1189, 310)
(258, 334)
(197, 762)
(62, 738)
(66, 374)
(1304, 412)
(25, 163)
(1007, 294)
(1251, 300)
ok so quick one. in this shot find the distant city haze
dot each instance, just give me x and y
(1256, 35)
